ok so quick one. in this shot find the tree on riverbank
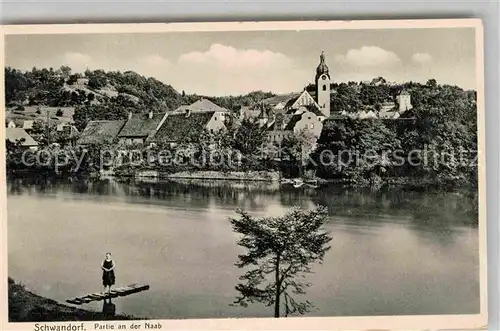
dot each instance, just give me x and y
(279, 253)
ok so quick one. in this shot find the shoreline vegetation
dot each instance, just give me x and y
(26, 306)
(435, 146)
(273, 178)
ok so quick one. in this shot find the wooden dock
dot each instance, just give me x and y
(116, 292)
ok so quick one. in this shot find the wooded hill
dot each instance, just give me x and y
(99, 94)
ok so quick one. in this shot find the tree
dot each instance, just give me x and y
(248, 137)
(65, 71)
(279, 253)
(431, 83)
(295, 149)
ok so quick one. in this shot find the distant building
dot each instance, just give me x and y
(404, 101)
(28, 125)
(20, 135)
(203, 105)
(249, 112)
(301, 112)
(100, 132)
(68, 129)
(139, 127)
(175, 127)
(302, 120)
(389, 110)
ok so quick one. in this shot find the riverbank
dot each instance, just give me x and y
(25, 306)
(259, 176)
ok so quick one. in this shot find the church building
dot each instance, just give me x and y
(302, 111)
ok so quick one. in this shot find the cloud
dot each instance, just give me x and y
(224, 70)
(154, 60)
(369, 56)
(231, 58)
(421, 58)
(77, 61)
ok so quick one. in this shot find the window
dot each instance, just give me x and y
(324, 87)
(215, 118)
(309, 117)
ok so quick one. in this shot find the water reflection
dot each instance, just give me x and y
(395, 251)
(434, 209)
(108, 309)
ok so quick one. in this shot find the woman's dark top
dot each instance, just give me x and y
(108, 277)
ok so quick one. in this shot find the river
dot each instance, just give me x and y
(393, 252)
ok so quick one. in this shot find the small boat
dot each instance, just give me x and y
(286, 181)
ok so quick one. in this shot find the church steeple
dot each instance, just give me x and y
(322, 68)
(323, 81)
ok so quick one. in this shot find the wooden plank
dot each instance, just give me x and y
(74, 302)
(119, 291)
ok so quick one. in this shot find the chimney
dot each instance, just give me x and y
(150, 114)
(129, 114)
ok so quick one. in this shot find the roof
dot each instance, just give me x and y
(140, 125)
(100, 131)
(177, 125)
(336, 117)
(291, 123)
(28, 124)
(202, 105)
(387, 114)
(313, 109)
(291, 101)
(65, 127)
(18, 134)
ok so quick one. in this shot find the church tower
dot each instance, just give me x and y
(323, 81)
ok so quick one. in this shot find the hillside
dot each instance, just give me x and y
(61, 88)
(102, 95)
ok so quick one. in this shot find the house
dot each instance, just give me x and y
(304, 119)
(202, 105)
(139, 127)
(14, 135)
(100, 132)
(21, 123)
(278, 102)
(249, 112)
(387, 106)
(175, 127)
(70, 130)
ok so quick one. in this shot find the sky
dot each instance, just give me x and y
(238, 62)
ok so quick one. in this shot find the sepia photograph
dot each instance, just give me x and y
(244, 170)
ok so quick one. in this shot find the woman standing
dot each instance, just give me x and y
(108, 272)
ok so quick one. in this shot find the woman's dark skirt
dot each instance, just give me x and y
(108, 278)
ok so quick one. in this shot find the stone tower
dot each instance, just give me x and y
(404, 101)
(323, 81)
